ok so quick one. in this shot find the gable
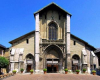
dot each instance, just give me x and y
(52, 6)
(83, 42)
(21, 37)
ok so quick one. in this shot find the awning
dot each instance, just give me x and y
(92, 53)
(21, 50)
(12, 51)
(17, 50)
(84, 52)
(75, 61)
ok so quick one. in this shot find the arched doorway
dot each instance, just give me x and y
(29, 62)
(53, 59)
(75, 62)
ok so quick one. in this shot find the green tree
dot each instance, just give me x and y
(3, 63)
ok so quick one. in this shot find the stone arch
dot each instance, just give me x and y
(54, 55)
(30, 62)
(54, 23)
(75, 62)
(30, 55)
(54, 45)
(76, 56)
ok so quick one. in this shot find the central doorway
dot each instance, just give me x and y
(52, 65)
(53, 60)
(52, 68)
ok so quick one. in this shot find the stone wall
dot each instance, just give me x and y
(76, 49)
(28, 48)
(44, 24)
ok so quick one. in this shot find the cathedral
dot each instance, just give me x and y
(51, 45)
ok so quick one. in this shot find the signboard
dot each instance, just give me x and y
(52, 61)
(75, 62)
(55, 61)
(29, 62)
(49, 61)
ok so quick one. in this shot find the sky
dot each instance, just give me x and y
(17, 19)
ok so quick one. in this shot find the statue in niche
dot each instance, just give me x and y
(52, 17)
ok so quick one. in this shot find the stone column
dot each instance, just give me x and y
(25, 66)
(12, 67)
(37, 36)
(19, 67)
(88, 61)
(97, 62)
(68, 56)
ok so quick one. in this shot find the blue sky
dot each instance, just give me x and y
(16, 18)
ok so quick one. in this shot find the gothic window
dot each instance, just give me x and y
(52, 31)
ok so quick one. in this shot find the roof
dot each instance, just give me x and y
(52, 5)
(2, 46)
(86, 43)
(21, 37)
(98, 50)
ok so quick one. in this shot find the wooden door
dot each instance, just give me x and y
(28, 68)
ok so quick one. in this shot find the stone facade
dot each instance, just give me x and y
(2, 50)
(18, 61)
(51, 45)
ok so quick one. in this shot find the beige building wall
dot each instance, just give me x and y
(28, 48)
(7, 53)
(76, 49)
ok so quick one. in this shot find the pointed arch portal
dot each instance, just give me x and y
(53, 59)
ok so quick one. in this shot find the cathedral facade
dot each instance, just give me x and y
(51, 45)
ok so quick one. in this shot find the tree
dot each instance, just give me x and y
(3, 63)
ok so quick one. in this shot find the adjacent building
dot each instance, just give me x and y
(51, 45)
(2, 50)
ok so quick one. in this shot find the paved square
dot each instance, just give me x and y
(53, 77)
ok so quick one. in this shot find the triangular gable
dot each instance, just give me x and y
(54, 5)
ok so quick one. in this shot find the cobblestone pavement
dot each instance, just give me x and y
(53, 77)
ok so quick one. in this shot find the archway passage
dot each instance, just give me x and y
(29, 62)
(75, 62)
(53, 59)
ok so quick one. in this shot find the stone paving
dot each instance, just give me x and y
(56, 76)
